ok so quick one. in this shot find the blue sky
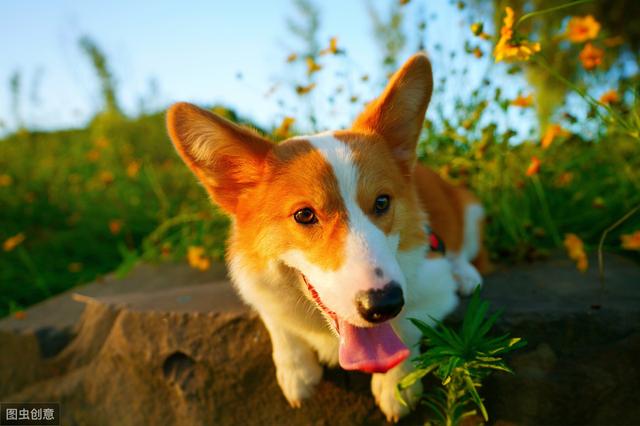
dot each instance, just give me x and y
(193, 50)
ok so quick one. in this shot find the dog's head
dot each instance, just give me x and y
(336, 207)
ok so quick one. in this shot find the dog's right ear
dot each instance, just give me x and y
(398, 114)
(226, 158)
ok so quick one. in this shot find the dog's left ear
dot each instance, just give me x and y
(228, 159)
(398, 114)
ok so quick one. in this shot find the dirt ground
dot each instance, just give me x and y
(171, 345)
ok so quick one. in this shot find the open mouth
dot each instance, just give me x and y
(375, 349)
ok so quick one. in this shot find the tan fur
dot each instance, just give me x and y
(393, 114)
(407, 95)
(445, 204)
(226, 158)
(379, 176)
(261, 185)
(264, 220)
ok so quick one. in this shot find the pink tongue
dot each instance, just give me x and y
(372, 350)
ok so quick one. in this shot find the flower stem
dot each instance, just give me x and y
(584, 95)
(551, 9)
(546, 212)
(604, 235)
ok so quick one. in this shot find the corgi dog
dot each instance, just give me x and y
(329, 238)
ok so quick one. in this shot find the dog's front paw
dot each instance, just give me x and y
(298, 381)
(467, 277)
(383, 388)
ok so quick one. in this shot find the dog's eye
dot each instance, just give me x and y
(305, 216)
(382, 204)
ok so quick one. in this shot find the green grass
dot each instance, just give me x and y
(529, 216)
(66, 187)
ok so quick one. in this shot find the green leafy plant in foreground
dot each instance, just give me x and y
(461, 360)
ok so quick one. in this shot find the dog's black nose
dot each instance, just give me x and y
(380, 304)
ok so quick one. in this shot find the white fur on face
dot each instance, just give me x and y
(367, 247)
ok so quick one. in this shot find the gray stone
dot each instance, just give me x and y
(171, 345)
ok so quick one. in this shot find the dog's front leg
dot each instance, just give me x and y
(297, 367)
(383, 385)
(431, 294)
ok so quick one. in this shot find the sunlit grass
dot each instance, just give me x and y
(78, 204)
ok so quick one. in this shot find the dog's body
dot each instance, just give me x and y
(329, 235)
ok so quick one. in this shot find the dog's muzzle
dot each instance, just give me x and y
(379, 305)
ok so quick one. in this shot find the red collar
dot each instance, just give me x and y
(435, 243)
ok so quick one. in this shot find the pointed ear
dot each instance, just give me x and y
(398, 114)
(226, 158)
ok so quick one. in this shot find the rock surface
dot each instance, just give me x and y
(170, 345)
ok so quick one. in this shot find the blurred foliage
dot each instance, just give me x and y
(619, 18)
(85, 203)
(389, 34)
(15, 89)
(304, 29)
(103, 73)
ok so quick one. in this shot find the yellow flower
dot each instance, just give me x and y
(478, 53)
(292, 57)
(197, 258)
(101, 143)
(553, 131)
(534, 166)
(284, 130)
(523, 101)
(133, 168)
(519, 52)
(610, 97)
(509, 49)
(5, 180)
(333, 47)
(106, 177)
(303, 90)
(575, 250)
(477, 28)
(564, 179)
(631, 241)
(115, 226)
(312, 66)
(13, 242)
(591, 56)
(583, 28)
(93, 155)
(582, 263)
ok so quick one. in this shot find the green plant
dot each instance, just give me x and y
(461, 360)
(15, 88)
(105, 76)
